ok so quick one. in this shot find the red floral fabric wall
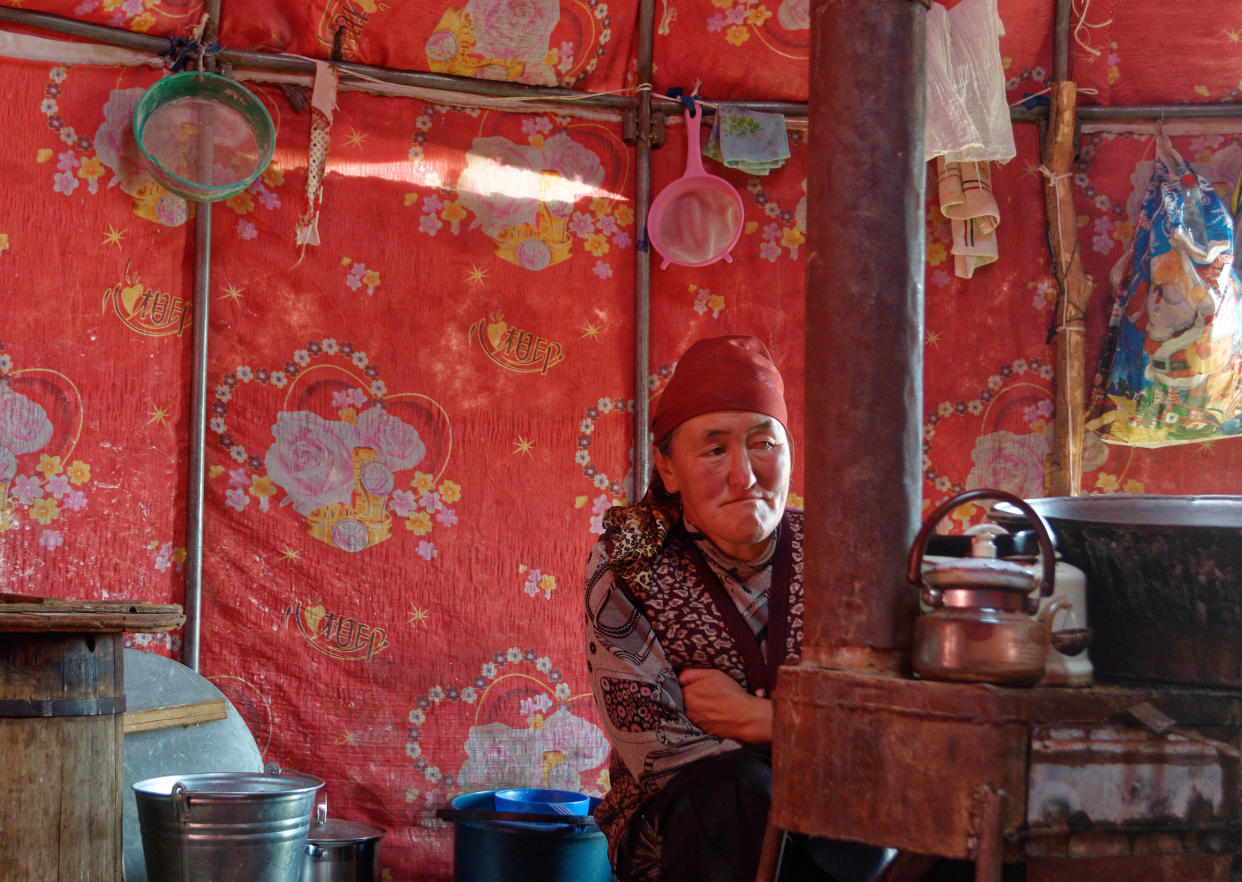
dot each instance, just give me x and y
(415, 425)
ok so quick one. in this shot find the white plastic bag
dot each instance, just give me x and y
(967, 114)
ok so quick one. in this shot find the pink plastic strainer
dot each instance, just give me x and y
(697, 219)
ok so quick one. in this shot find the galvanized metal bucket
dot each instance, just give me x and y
(225, 825)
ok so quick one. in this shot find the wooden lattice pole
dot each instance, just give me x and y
(1064, 476)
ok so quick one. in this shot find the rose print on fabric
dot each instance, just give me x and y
(512, 40)
(38, 476)
(117, 151)
(397, 445)
(523, 732)
(523, 197)
(1010, 462)
(347, 452)
(552, 753)
(130, 15)
(486, 186)
(1000, 439)
(516, 30)
(24, 426)
(312, 460)
(496, 40)
(794, 15)
(529, 197)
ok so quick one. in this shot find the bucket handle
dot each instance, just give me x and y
(181, 802)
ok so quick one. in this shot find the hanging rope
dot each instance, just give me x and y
(1082, 24)
(1061, 318)
(180, 49)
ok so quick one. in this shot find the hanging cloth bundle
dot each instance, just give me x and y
(323, 104)
(1171, 368)
(968, 124)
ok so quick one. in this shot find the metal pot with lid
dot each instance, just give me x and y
(341, 851)
(979, 624)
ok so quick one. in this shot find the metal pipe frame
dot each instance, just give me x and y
(443, 83)
(197, 472)
(642, 255)
(644, 105)
(450, 85)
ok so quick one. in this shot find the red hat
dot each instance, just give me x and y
(721, 373)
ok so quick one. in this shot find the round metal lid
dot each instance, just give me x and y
(335, 831)
(981, 572)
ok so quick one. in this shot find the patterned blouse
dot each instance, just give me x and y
(648, 616)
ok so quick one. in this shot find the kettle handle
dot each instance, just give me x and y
(1042, 532)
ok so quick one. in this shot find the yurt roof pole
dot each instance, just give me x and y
(642, 257)
(196, 478)
(1060, 42)
(445, 85)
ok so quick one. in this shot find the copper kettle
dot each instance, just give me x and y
(979, 626)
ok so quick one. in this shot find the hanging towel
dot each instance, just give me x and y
(747, 140)
(966, 199)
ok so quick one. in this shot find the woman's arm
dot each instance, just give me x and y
(635, 687)
(718, 705)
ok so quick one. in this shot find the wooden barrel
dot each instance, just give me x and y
(62, 704)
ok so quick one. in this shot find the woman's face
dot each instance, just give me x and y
(732, 470)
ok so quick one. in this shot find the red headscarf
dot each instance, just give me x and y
(721, 373)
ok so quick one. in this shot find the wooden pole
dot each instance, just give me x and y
(1075, 288)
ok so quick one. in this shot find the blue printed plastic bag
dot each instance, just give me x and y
(1171, 369)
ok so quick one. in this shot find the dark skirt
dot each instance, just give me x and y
(707, 825)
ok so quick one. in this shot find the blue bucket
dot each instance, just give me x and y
(518, 851)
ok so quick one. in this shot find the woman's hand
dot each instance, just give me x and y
(719, 706)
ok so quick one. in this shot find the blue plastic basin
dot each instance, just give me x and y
(541, 802)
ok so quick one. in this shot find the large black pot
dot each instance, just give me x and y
(1164, 583)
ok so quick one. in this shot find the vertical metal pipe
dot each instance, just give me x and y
(1060, 42)
(198, 423)
(642, 256)
(195, 480)
(864, 329)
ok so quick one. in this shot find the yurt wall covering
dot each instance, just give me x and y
(467, 319)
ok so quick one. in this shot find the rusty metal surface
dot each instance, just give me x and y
(1113, 776)
(864, 327)
(896, 762)
(900, 762)
(1166, 868)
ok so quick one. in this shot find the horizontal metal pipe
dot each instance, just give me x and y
(1133, 112)
(674, 107)
(1092, 113)
(450, 84)
(75, 28)
(437, 82)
